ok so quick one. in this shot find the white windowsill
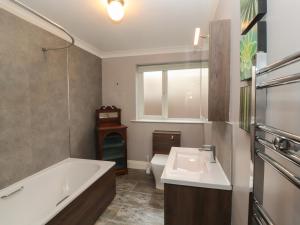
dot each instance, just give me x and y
(171, 121)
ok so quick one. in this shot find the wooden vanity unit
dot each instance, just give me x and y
(196, 206)
(196, 189)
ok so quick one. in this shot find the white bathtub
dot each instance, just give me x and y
(43, 195)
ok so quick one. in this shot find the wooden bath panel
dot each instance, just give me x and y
(90, 204)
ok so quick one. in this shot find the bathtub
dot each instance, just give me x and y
(43, 197)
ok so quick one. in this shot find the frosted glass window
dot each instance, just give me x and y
(184, 93)
(173, 91)
(153, 93)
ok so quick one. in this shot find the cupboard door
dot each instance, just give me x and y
(219, 71)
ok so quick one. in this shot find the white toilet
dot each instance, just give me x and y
(158, 163)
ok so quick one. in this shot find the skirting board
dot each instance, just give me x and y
(140, 165)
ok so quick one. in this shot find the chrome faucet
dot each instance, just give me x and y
(211, 148)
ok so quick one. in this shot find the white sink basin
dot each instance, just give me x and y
(189, 162)
(191, 167)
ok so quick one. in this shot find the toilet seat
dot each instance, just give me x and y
(159, 159)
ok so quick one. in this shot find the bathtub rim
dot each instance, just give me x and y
(104, 167)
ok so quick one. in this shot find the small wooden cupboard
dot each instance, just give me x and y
(111, 138)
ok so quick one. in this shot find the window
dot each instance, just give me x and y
(172, 92)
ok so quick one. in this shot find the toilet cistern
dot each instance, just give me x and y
(211, 148)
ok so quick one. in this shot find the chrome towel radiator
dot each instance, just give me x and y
(267, 140)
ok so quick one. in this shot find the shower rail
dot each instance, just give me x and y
(22, 5)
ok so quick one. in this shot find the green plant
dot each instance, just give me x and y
(248, 48)
(248, 11)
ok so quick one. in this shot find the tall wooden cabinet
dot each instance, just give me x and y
(219, 70)
(112, 137)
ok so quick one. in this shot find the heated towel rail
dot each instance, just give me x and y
(260, 215)
(282, 143)
(281, 63)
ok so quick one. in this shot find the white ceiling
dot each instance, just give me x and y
(147, 25)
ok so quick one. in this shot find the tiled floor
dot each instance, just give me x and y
(137, 202)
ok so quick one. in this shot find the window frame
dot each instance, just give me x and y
(140, 116)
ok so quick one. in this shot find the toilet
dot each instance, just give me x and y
(158, 163)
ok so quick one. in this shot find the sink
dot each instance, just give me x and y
(191, 167)
(190, 162)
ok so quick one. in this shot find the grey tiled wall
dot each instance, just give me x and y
(85, 97)
(34, 126)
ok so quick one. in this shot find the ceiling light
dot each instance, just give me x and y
(197, 35)
(115, 9)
